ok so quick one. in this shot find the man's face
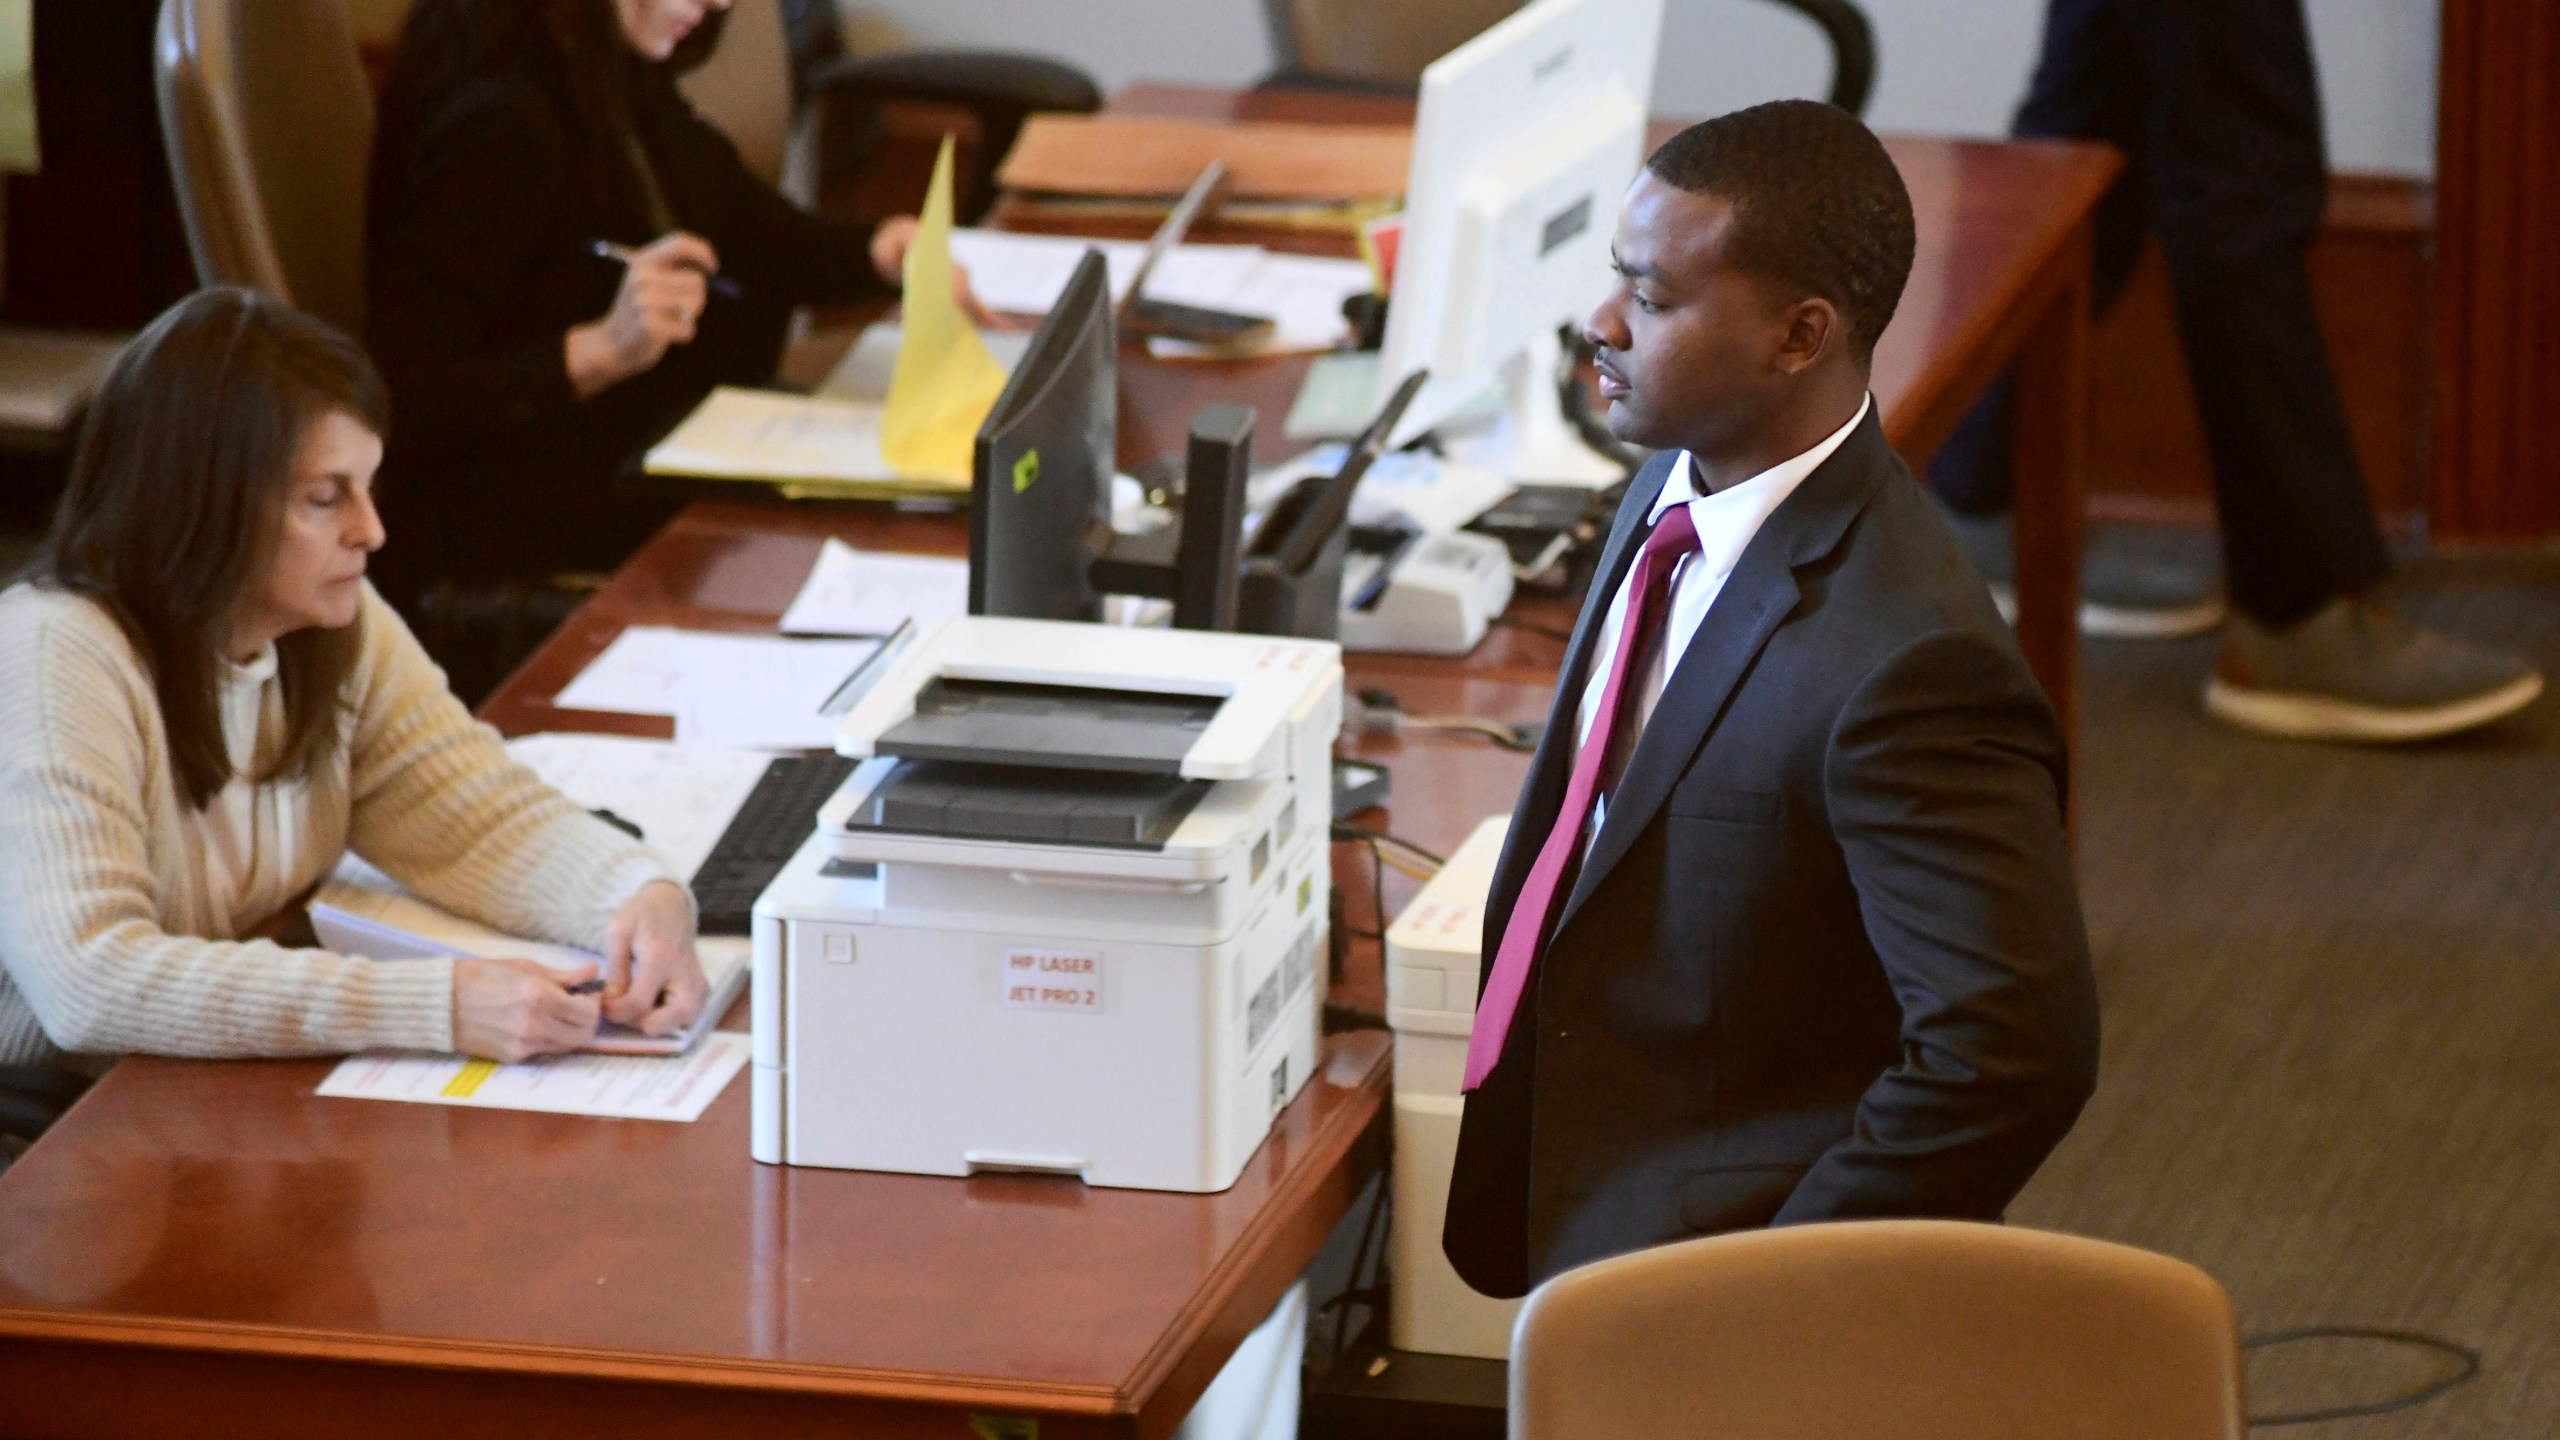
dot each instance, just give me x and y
(1691, 349)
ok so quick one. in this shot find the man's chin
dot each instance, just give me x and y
(1628, 422)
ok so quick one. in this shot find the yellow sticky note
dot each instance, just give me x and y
(18, 151)
(946, 381)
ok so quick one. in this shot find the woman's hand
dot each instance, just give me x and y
(653, 978)
(664, 287)
(889, 246)
(513, 1010)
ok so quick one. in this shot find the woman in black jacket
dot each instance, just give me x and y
(526, 370)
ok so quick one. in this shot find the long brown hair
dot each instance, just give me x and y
(176, 502)
(448, 46)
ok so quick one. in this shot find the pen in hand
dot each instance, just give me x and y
(720, 285)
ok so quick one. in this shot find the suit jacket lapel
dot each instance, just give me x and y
(1543, 790)
(1756, 599)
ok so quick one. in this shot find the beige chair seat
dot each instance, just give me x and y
(1880, 1330)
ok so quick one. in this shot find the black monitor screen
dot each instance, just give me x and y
(1040, 506)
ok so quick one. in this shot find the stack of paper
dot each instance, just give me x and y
(760, 692)
(822, 447)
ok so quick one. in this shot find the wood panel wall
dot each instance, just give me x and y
(2370, 277)
(2496, 452)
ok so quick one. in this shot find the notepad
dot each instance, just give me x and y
(360, 911)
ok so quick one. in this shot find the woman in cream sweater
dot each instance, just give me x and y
(203, 705)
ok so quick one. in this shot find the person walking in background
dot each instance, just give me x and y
(2217, 110)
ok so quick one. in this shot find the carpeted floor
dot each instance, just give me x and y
(2331, 980)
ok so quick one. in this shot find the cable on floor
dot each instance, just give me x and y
(2466, 1367)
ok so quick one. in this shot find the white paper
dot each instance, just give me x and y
(1302, 294)
(1025, 274)
(868, 592)
(681, 796)
(757, 691)
(623, 1087)
(864, 374)
(737, 433)
(1438, 496)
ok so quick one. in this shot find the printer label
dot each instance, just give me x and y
(1053, 980)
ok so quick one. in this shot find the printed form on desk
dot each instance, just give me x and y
(869, 592)
(622, 1087)
(760, 692)
(681, 796)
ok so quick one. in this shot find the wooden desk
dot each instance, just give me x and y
(207, 1250)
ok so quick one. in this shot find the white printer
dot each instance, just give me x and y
(1069, 915)
(1434, 952)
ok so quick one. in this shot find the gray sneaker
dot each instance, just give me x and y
(2123, 595)
(2357, 671)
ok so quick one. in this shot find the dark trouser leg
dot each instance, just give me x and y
(2239, 182)
(2216, 107)
(2087, 85)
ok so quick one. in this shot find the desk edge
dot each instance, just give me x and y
(494, 1357)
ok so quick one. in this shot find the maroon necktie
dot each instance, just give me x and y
(1648, 598)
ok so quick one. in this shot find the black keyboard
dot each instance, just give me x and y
(767, 831)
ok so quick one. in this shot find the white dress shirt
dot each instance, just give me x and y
(1725, 521)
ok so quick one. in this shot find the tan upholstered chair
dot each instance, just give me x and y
(1914, 1329)
(269, 128)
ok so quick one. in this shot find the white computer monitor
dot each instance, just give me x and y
(1527, 136)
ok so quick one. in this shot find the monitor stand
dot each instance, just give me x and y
(1530, 441)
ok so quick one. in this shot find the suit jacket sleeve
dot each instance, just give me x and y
(1943, 778)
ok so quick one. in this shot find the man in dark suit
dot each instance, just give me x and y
(1786, 927)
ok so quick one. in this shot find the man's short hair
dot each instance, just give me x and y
(1817, 204)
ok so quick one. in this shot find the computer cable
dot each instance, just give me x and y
(1374, 711)
(1404, 855)
(1373, 1295)
(1574, 399)
(1532, 627)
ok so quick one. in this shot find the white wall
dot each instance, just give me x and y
(1953, 67)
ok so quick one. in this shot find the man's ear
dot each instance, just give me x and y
(1814, 330)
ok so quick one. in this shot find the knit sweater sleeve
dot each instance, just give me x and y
(83, 944)
(437, 803)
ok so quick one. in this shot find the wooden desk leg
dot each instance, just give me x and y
(2051, 440)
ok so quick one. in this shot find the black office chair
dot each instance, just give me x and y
(31, 1099)
(1000, 90)
(1361, 45)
